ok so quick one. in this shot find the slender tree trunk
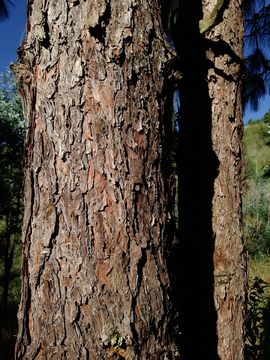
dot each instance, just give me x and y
(230, 258)
(8, 257)
(9, 248)
(210, 160)
(98, 214)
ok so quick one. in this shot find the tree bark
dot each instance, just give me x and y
(230, 258)
(98, 210)
(210, 160)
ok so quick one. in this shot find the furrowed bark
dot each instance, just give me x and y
(98, 214)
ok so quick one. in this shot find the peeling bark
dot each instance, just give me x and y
(98, 213)
(98, 226)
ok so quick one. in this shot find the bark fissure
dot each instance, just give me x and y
(98, 213)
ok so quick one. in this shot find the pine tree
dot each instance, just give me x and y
(4, 9)
(257, 37)
(104, 274)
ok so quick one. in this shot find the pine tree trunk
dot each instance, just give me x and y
(210, 160)
(230, 259)
(98, 214)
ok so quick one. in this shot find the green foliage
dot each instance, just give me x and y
(258, 324)
(256, 220)
(256, 146)
(266, 118)
(12, 131)
(14, 285)
(256, 211)
(256, 215)
(4, 9)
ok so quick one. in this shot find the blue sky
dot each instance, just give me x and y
(11, 32)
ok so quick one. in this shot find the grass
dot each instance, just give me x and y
(261, 269)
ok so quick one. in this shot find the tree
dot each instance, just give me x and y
(101, 262)
(4, 9)
(210, 161)
(257, 29)
(98, 213)
(12, 131)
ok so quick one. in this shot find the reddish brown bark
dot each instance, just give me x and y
(230, 259)
(98, 214)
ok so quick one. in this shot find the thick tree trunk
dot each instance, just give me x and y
(210, 160)
(98, 214)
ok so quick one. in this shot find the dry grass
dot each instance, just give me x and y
(261, 269)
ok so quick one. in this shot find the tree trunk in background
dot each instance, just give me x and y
(98, 212)
(211, 155)
(230, 258)
(9, 253)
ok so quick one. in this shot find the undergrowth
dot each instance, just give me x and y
(258, 321)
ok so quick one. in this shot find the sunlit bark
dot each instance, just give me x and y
(98, 215)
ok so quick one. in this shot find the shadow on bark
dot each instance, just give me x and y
(197, 172)
(198, 168)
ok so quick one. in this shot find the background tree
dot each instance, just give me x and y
(4, 4)
(210, 161)
(257, 37)
(257, 31)
(12, 131)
